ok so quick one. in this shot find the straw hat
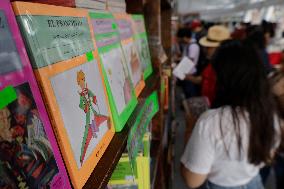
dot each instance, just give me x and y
(216, 34)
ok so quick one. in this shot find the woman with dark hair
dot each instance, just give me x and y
(260, 39)
(230, 143)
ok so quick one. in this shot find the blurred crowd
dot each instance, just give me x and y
(236, 143)
(199, 40)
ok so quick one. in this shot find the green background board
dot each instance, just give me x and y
(7, 96)
(51, 39)
(143, 116)
(148, 69)
(119, 120)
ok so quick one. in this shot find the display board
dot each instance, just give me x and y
(117, 78)
(72, 84)
(130, 51)
(141, 41)
(29, 155)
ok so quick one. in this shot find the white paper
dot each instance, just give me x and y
(186, 66)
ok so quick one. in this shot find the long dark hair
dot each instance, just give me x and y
(242, 85)
(256, 36)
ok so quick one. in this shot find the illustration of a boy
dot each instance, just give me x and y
(87, 99)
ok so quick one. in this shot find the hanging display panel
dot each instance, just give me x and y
(130, 51)
(117, 77)
(29, 155)
(140, 37)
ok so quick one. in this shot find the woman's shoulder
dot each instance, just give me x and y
(215, 114)
(210, 120)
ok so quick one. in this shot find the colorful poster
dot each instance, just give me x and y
(117, 77)
(26, 156)
(130, 51)
(53, 34)
(141, 41)
(29, 155)
(76, 98)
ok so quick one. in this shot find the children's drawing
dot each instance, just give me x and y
(83, 108)
(118, 77)
(26, 158)
(133, 62)
(87, 100)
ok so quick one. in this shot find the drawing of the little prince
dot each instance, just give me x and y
(87, 99)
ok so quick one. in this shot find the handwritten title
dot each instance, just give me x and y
(64, 23)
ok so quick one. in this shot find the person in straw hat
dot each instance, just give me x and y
(216, 34)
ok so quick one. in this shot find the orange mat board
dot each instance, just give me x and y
(82, 142)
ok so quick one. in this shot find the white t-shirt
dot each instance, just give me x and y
(205, 152)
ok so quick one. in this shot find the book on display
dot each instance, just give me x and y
(130, 51)
(117, 77)
(29, 155)
(140, 37)
(67, 68)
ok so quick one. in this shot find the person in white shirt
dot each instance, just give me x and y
(191, 50)
(229, 144)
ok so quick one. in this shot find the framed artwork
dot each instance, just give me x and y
(76, 97)
(130, 51)
(117, 77)
(29, 155)
(66, 66)
(141, 41)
